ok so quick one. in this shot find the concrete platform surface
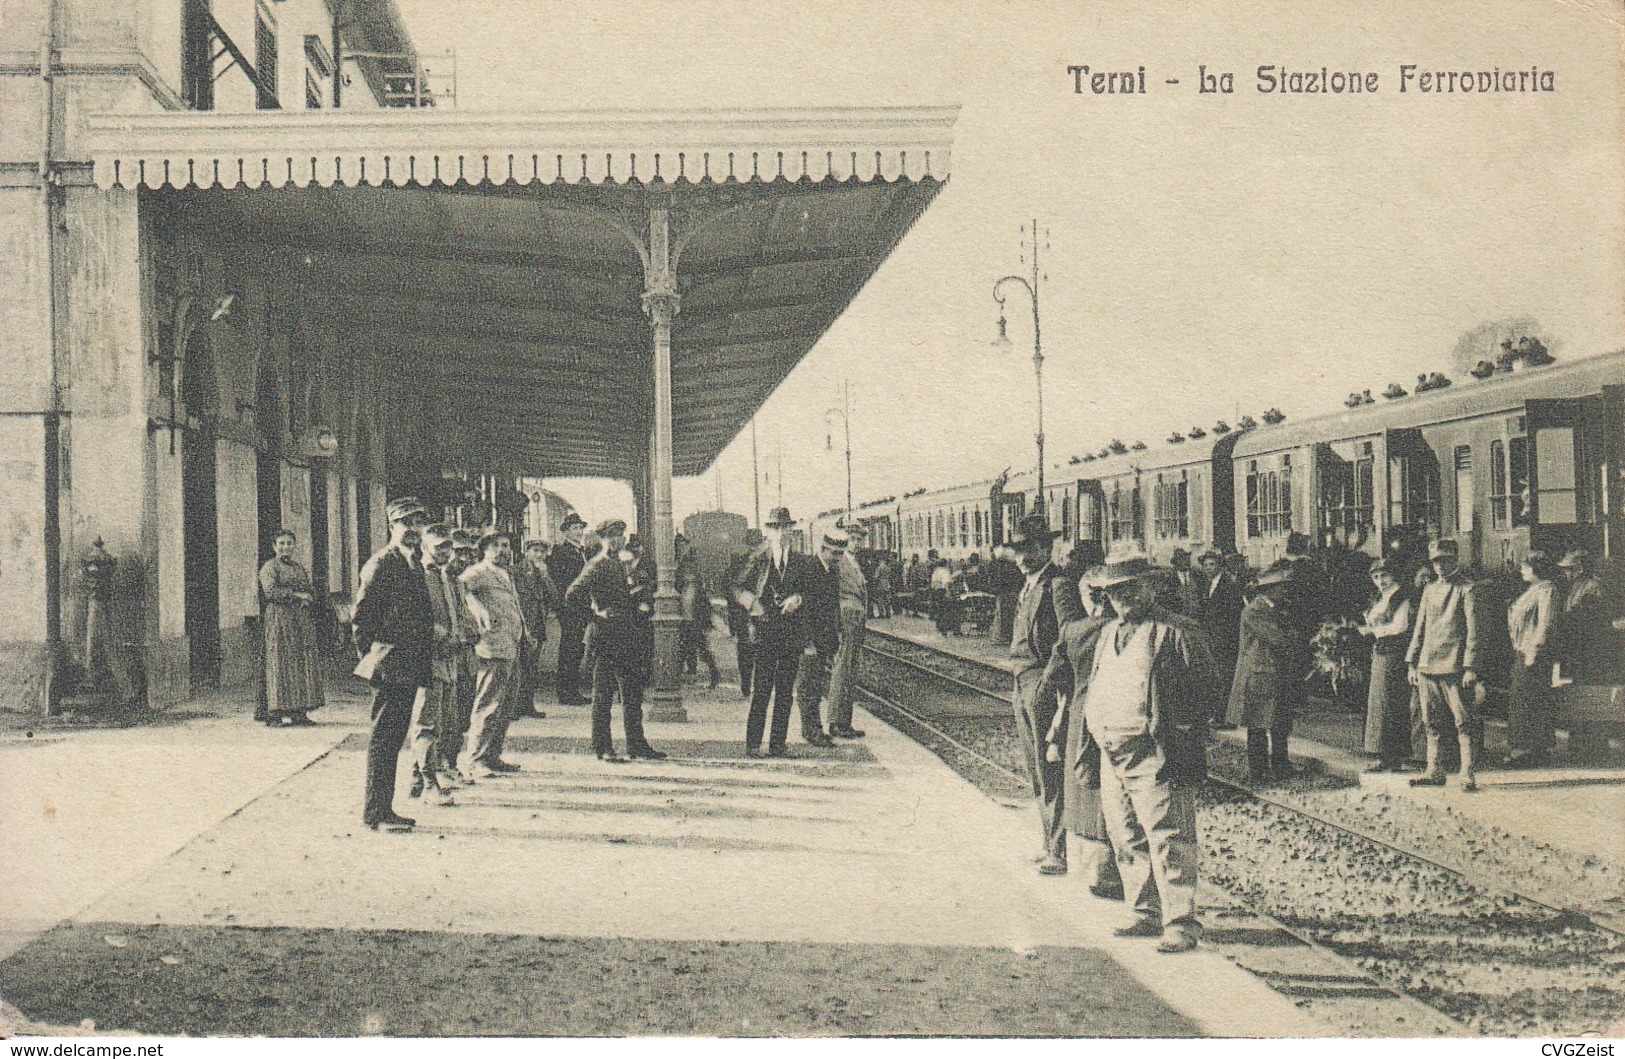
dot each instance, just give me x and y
(222, 825)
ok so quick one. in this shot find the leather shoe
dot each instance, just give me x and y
(1052, 866)
(847, 733)
(1140, 928)
(1177, 941)
(1428, 780)
(646, 753)
(503, 766)
(751, 751)
(821, 740)
(612, 758)
(533, 715)
(778, 751)
(1107, 891)
(392, 822)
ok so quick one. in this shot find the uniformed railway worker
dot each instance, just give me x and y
(1442, 662)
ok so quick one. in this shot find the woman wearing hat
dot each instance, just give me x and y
(1531, 724)
(293, 669)
(1388, 721)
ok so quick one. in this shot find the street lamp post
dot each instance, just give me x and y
(1003, 342)
(845, 412)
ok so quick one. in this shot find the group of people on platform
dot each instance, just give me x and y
(798, 623)
(1121, 668)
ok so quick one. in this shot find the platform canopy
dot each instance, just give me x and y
(511, 256)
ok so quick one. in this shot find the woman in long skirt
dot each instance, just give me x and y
(1531, 726)
(1388, 698)
(293, 674)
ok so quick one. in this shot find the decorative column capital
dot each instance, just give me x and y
(661, 303)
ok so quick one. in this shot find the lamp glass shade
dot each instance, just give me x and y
(1003, 341)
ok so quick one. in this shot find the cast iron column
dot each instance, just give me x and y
(660, 302)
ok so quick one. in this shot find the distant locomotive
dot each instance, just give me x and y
(1528, 458)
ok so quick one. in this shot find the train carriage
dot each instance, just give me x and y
(1523, 459)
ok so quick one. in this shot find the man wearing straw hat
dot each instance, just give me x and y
(1150, 695)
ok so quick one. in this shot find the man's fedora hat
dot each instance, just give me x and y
(571, 521)
(402, 508)
(780, 516)
(1275, 575)
(610, 527)
(1125, 563)
(436, 535)
(837, 539)
(1574, 560)
(1033, 529)
(1444, 546)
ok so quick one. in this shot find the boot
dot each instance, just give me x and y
(1469, 778)
(1434, 776)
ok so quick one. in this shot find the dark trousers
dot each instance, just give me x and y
(610, 675)
(745, 652)
(777, 660)
(1034, 715)
(1267, 748)
(391, 717)
(572, 632)
(812, 685)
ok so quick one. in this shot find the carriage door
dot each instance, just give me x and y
(1566, 469)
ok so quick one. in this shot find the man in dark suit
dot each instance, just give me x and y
(1221, 618)
(564, 565)
(393, 627)
(772, 587)
(1187, 588)
(1046, 603)
(622, 615)
(739, 623)
(822, 611)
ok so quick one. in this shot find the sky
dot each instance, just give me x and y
(1205, 255)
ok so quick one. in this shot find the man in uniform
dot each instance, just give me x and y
(620, 643)
(494, 607)
(1047, 602)
(1149, 699)
(772, 587)
(1442, 660)
(393, 627)
(565, 564)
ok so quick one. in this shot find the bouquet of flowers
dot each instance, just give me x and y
(1341, 654)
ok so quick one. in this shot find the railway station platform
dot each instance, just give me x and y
(207, 875)
(1573, 808)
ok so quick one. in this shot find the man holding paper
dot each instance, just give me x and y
(394, 631)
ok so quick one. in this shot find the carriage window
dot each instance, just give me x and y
(1197, 525)
(1556, 499)
(1124, 513)
(1464, 488)
(1088, 516)
(1413, 492)
(1269, 501)
(1170, 503)
(1509, 483)
(1347, 492)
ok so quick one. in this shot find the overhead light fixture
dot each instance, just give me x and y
(318, 443)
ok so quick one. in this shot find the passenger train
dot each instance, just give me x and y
(1513, 458)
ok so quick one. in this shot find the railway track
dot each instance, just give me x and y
(1411, 924)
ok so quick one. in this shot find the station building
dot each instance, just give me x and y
(257, 281)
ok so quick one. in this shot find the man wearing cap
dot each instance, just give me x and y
(436, 706)
(493, 605)
(1589, 654)
(853, 615)
(1046, 603)
(1266, 688)
(393, 628)
(772, 586)
(1148, 702)
(465, 553)
(565, 564)
(620, 646)
(1186, 592)
(538, 596)
(1442, 659)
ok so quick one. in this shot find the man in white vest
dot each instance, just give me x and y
(1149, 699)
